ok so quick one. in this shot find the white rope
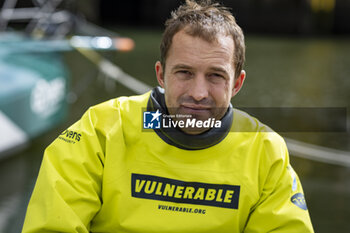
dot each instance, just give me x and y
(119, 75)
(114, 72)
(318, 153)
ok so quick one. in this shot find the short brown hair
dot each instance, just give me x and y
(206, 20)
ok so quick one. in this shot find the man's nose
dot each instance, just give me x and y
(199, 88)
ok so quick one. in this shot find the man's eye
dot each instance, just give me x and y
(185, 72)
(217, 76)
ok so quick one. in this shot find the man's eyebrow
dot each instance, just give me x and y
(181, 66)
(218, 69)
(187, 67)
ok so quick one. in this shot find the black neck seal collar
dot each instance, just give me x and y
(178, 138)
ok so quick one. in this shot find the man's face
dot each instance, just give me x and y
(199, 77)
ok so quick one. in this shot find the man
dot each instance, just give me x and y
(203, 167)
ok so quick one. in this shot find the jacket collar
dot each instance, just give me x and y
(180, 139)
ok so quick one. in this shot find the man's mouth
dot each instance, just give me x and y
(195, 109)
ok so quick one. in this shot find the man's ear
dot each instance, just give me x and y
(160, 73)
(238, 83)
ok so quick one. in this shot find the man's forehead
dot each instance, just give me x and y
(219, 38)
(194, 47)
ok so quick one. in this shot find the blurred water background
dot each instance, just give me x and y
(282, 71)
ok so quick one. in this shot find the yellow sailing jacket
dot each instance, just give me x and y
(106, 174)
